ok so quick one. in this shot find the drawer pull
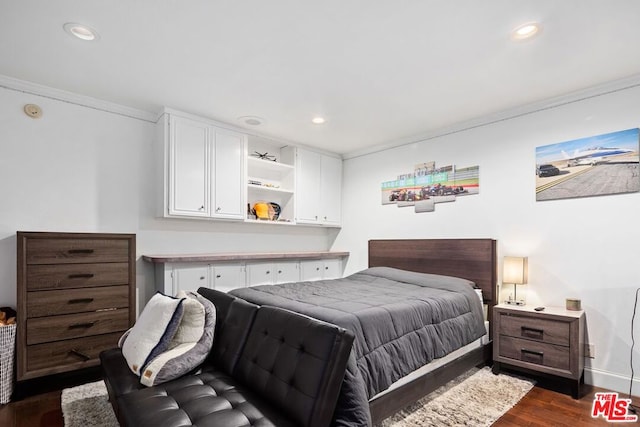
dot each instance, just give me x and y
(527, 332)
(81, 325)
(80, 251)
(81, 276)
(80, 354)
(532, 356)
(80, 300)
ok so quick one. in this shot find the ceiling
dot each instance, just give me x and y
(378, 70)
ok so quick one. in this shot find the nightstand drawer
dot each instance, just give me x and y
(539, 353)
(548, 331)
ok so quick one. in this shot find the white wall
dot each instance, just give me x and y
(584, 248)
(79, 169)
(82, 169)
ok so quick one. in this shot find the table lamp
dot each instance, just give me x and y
(514, 270)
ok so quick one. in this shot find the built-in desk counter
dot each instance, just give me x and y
(226, 271)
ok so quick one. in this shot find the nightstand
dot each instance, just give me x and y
(549, 341)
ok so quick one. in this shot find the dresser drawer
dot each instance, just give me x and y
(63, 276)
(549, 331)
(70, 251)
(53, 303)
(67, 326)
(82, 350)
(539, 353)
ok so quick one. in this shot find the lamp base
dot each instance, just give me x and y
(514, 302)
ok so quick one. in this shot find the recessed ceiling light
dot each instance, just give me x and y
(252, 120)
(526, 31)
(81, 31)
(318, 120)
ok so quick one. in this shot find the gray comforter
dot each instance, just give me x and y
(402, 320)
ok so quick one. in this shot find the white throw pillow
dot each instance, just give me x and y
(189, 347)
(153, 331)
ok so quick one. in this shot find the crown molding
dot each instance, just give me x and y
(511, 113)
(31, 88)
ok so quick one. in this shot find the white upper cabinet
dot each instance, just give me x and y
(207, 170)
(229, 155)
(331, 191)
(204, 169)
(189, 183)
(318, 188)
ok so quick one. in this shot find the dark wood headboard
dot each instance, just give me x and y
(471, 259)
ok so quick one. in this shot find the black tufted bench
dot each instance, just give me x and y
(268, 367)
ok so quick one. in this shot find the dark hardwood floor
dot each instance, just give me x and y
(545, 405)
(549, 403)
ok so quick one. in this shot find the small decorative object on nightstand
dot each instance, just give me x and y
(549, 341)
(514, 271)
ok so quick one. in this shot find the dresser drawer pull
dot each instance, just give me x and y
(531, 333)
(531, 356)
(80, 300)
(81, 276)
(82, 325)
(80, 354)
(80, 251)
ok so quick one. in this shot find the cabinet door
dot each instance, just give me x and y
(287, 272)
(262, 273)
(188, 167)
(331, 190)
(228, 175)
(190, 278)
(308, 166)
(226, 277)
(332, 268)
(311, 270)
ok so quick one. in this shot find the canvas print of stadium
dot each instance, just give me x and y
(428, 185)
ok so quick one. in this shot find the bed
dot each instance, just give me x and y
(391, 341)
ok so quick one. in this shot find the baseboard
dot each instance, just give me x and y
(611, 381)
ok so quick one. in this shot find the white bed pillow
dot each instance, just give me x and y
(153, 331)
(189, 347)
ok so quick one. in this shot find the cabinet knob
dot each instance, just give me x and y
(317, 268)
(268, 272)
(218, 209)
(217, 276)
(201, 277)
(279, 271)
(201, 208)
(326, 268)
(316, 217)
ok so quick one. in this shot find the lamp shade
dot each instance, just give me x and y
(514, 270)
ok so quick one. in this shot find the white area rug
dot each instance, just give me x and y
(87, 406)
(477, 398)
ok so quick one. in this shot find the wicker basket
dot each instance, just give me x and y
(7, 350)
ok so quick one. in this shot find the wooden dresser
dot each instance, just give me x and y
(76, 296)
